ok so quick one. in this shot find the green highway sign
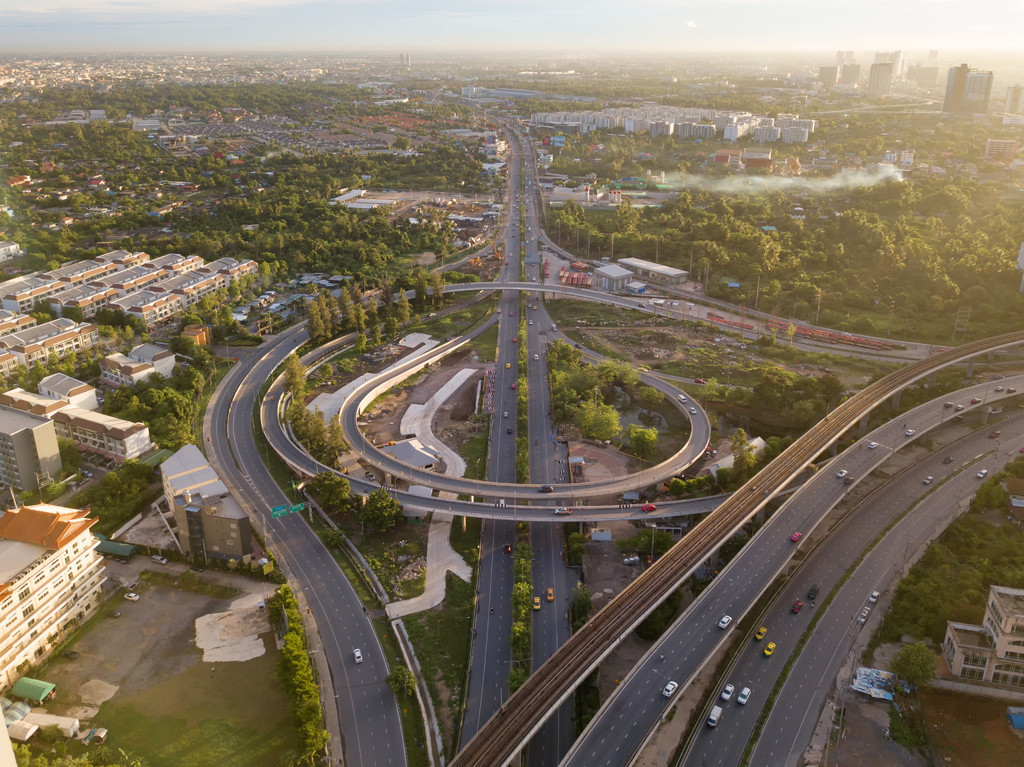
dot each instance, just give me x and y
(297, 507)
(279, 511)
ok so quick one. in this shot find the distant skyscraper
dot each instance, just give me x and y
(1015, 100)
(967, 91)
(891, 57)
(405, 59)
(933, 58)
(828, 76)
(880, 78)
(850, 74)
(844, 57)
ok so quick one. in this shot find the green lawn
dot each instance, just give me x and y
(408, 706)
(441, 638)
(486, 344)
(235, 717)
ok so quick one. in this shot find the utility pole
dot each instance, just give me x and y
(757, 293)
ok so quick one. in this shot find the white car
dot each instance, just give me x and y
(724, 623)
(727, 692)
(982, 474)
(928, 480)
(530, 322)
(159, 560)
(357, 654)
(744, 696)
(872, 445)
(842, 473)
(874, 597)
(131, 596)
(910, 432)
(536, 356)
(669, 689)
(693, 411)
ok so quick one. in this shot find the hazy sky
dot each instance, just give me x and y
(605, 28)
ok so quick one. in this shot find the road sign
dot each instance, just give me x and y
(279, 511)
(297, 507)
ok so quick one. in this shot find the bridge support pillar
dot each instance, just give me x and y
(896, 399)
(862, 427)
(931, 380)
(970, 369)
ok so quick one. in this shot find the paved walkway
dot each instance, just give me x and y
(441, 557)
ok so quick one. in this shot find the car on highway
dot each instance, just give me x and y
(511, 314)
(508, 365)
(842, 473)
(796, 536)
(547, 489)
(357, 655)
(999, 388)
(812, 592)
(530, 322)
(727, 691)
(551, 594)
(975, 400)
(797, 606)
(693, 411)
(508, 548)
(948, 459)
(699, 381)
(761, 633)
(928, 480)
(744, 696)
(948, 404)
(505, 414)
(536, 603)
(994, 433)
(874, 597)
(515, 339)
(872, 445)
(131, 596)
(863, 617)
(769, 648)
(724, 623)
(958, 408)
(682, 398)
(1011, 390)
(562, 510)
(536, 356)
(910, 432)
(512, 386)
(982, 474)
(669, 689)
(648, 507)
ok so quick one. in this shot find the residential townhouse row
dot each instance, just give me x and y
(152, 289)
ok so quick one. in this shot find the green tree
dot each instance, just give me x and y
(437, 285)
(295, 378)
(402, 681)
(742, 456)
(331, 490)
(381, 511)
(642, 441)
(402, 309)
(69, 454)
(915, 664)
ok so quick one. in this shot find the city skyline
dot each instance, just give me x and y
(574, 26)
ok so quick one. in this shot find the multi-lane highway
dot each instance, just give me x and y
(364, 705)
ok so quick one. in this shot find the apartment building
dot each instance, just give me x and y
(191, 287)
(101, 434)
(9, 250)
(230, 268)
(21, 294)
(210, 522)
(87, 298)
(130, 280)
(80, 272)
(150, 307)
(138, 365)
(994, 651)
(59, 337)
(8, 363)
(123, 259)
(29, 402)
(71, 390)
(175, 263)
(50, 582)
(28, 449)
(12, 322)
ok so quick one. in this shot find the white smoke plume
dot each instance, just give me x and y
(840, 182)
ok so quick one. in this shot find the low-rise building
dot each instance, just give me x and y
(9, 250)
(654, 272)
(71, 390)
(211, 524)
(200, 334)
(175, 263)
(230, 268)
(86, 298)
(80, 272)
(51, 581)
(152, 308)
(12, 322)
(22, 293)
(28, 402)
(102, 434)
(138, 365)
(29, 455)
(123, 259)
(59, 337)
(130, 280)
(612, 277)
(190, 287)
(993, 651)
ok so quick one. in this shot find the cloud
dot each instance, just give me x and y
(137, 7)
(692, 24)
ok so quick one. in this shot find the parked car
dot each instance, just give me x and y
(863, 617)
(131, 596)
(159, 560)
(874, 597)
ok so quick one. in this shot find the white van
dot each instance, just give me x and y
(716, 714)
(682, 398)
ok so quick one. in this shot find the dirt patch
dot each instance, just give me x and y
(443, 709)
(968, 731)
(864, 740)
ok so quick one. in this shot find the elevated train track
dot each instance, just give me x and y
(525, 711)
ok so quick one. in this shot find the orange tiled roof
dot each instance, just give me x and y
(44, 524)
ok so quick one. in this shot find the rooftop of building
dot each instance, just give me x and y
(64, 385)
(189, 470)
(639, 263)
(15, 558)
(12, 420)
(1010, 601)
(40, 333)
(44, 524)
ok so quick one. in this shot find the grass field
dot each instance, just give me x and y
(969, 731)
(234, 717)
